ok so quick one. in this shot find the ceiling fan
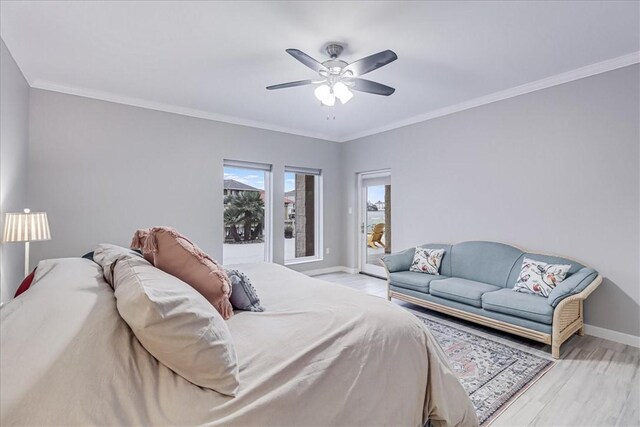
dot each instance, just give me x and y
(338, 78)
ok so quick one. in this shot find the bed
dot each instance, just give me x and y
(321, 354)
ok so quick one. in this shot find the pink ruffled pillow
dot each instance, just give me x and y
(173, 253)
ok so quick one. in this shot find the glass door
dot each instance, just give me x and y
(375, 221)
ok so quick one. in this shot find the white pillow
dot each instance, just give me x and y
(106, 255)
(539, 278)
(427, 260)
(176, 325)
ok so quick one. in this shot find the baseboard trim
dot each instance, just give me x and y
(611, 335)
(328, 270)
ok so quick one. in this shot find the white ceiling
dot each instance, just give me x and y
(214, 59)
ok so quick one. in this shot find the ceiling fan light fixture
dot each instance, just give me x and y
(322, 91)
(329, 100)
(325, 94)
(342, 92)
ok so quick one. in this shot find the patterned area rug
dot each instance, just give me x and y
(493, 373)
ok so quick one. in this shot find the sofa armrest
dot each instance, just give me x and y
(573, 285)
(568, 316)
(399, 261)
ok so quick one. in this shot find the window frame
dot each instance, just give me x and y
(267, 169)
(318, 216)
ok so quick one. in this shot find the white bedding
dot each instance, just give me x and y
(321, 354)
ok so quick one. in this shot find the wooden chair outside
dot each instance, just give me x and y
(376, 236)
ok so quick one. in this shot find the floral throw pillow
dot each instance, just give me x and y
(540, 278)
(427, 261)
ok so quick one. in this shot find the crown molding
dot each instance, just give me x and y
(558, 79)
(566, 77)
(175, 109)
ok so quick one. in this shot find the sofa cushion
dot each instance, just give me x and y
(461, 290)
(527, 306)
(518, 321)
(413, 280)
(486, 262)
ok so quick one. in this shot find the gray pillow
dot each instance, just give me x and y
(243, 294)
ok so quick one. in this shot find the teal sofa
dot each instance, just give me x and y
(475, 283)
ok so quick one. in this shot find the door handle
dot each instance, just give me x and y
(362, 228)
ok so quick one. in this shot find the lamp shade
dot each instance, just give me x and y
(26, 226)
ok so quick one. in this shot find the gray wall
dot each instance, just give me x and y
(553, 171)
(14, 143)
(101, 170)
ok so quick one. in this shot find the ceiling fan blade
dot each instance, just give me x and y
(291, 84)
(363, 85)
(307, 60)
(370, 63)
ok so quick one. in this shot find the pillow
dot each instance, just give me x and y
(138, 241)
(540, 278)
(89, 255)
(176, 325)
(243, 294)
(175, 254)
(106, 255)
(26, 283)
(427, 260)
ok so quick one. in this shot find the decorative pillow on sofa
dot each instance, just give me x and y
(243, 294)
(176, 325)
(427, 260)
(173, 253)
(540, 278)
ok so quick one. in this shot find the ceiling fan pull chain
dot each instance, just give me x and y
(332, 113)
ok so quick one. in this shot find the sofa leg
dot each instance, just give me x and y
(581, 331)
(555, 351)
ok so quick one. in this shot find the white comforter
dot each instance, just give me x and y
(321, 354)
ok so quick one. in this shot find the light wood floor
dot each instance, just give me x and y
(595, 383)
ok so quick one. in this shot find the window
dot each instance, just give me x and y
(246, 212)
(302, 215)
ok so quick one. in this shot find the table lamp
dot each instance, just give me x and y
(26, 227)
